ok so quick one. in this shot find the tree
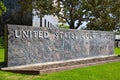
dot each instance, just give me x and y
(99, 14)
(26, 6)
(103, 15)
(68, 11)
(42, 7)
(2, 8)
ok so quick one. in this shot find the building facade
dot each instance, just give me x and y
(46, 21)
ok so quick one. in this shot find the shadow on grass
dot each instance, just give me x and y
(2, 64)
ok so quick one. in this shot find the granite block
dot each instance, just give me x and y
(32, 45)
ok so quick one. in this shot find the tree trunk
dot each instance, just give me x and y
(72, 25)
(1, 26)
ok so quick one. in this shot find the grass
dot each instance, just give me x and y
(109, 71)
(117, 51)
(1, 55)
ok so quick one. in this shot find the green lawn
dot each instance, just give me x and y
(117, 51)
(1, 55)
(107, 71)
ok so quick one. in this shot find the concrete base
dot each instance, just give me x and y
(36, 69)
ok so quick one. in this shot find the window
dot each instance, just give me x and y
(40, 21)
(48, 24)
(45, 22)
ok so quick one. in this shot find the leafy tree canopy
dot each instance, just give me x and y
(103, 15)
(99, 14)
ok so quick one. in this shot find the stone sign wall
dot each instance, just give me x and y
(119, 44)
(31, 45)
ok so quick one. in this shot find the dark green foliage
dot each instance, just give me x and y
(2, 8)
(1, 42)
(103, 14)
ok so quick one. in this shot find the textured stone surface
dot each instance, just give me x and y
(119, 44)
(31, 45)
